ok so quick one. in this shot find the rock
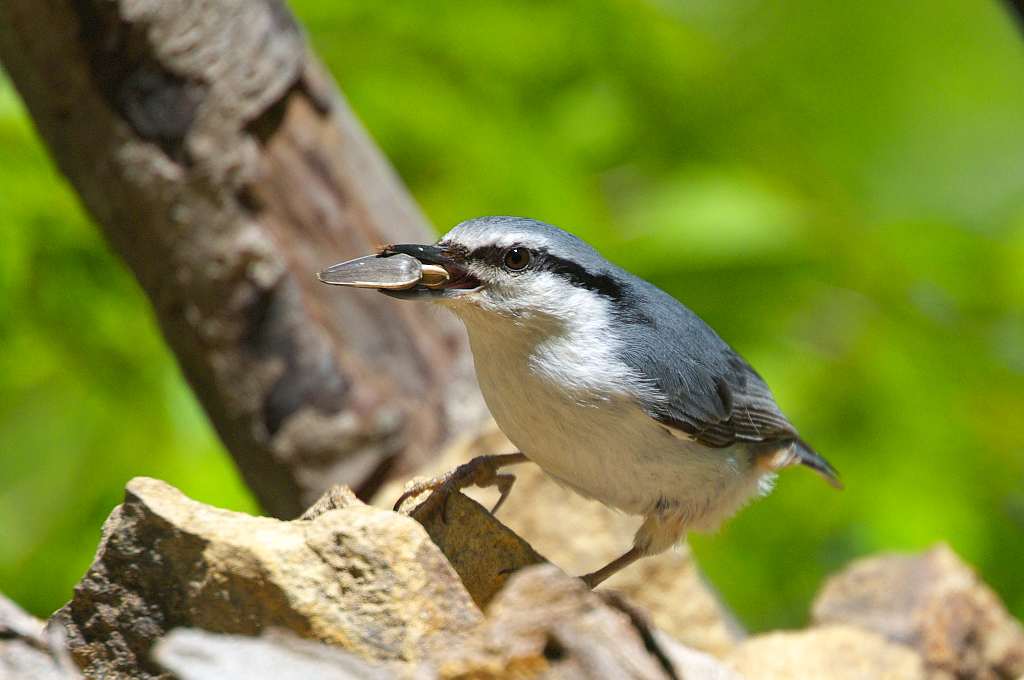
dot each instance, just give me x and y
(22, 661)
(580, 536)
(26, 651)
(365, 580)
(481, 550)
(15, 622)
(546, 624)
(335, 498)
(671, 587)
(691, 663)
(832, 652)
(933, 602)
(193, 654)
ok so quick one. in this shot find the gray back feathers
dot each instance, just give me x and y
(710, 392)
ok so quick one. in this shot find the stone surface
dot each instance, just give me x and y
(546, 624)
(671, 587)
(367, 581)
(581, 536)
(828, 652)
(691, 663)
(15, 622)
(933, 602)
(27, 652)
(482, 550)
(22, 661)
(335, 498)
(193, 654)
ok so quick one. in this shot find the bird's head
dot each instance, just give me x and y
(516, 268)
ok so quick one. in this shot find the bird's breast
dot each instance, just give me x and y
(574, 408)
(563, 396)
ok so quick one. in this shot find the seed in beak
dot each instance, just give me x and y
(388, 272)
(432, 275)
(394, 272)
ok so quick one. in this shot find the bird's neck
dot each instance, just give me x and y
(574, 354)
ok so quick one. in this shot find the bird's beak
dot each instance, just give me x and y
(404, 271)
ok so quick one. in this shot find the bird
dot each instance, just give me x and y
(613, 387)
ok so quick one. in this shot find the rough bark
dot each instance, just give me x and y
(225, 168)
(1016, 8)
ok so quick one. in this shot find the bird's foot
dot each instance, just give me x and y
(482, 471)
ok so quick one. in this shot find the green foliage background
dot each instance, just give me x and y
(838, 189)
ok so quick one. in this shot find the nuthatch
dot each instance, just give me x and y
(616, 390)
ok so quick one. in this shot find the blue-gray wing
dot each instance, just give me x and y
(718, 405)
(706, 389)
(702, 386)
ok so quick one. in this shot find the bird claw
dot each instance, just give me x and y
(482, 471)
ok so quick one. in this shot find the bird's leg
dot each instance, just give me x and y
(596, 578)
(481, 471)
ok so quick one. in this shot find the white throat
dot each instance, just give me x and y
(557, 388)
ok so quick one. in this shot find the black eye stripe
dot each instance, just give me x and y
(574, 273)
(488, 255)
(602, 284)
(494, 256)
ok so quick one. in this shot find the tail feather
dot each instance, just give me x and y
(805, 455)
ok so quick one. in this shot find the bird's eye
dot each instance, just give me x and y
(517, 259)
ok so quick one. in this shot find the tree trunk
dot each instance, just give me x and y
(223, 166)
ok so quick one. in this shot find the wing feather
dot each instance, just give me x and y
(701, 386)
(706, 389)
(720, 410)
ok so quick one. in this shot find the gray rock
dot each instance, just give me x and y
(27, 652)
(15, 622)
(546, 624)
(692, 663)
(362, 579)
(833, 652)
(480, 548)
(21, 661)
(934, 602)
(579, 536)
(193, 654)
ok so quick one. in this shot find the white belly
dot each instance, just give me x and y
(598, 441)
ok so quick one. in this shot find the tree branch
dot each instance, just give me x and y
(1016, 7)
(224, 167)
